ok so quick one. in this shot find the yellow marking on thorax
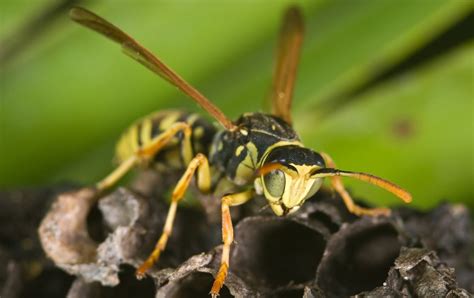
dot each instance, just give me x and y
(220, 146)
(239, 150)
(198, 132)
(270, 133)
(244, 132)
(246, 169)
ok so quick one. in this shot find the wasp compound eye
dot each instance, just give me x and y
(274, 183)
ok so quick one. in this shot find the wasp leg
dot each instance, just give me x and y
(199, 163)
(228, 235)
(337, 184)
(147, 151)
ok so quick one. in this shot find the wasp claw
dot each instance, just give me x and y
(140, 273)
(139, 276)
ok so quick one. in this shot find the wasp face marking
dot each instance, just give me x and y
(286, 179)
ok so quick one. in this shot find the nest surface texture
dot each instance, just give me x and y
(320, 251)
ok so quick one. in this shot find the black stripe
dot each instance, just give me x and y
(139, 134)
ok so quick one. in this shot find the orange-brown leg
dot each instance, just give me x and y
(227, 236)
(148, 151)
(337, 184)
(200, 164)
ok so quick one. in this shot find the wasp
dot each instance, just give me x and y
(257, 154)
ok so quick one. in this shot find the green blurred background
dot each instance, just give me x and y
(384, 86)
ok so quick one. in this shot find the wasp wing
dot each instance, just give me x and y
(288, 53)
(136, 51)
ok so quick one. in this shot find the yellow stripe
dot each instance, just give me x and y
(191, 119)
(125, 146)
(168, 120)
(133, 138)
(145, 133)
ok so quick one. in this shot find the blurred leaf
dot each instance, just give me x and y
(65, 101)
(13, 13)
(74, 90)
(416, 130)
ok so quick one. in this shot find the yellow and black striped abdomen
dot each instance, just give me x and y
(145, 129)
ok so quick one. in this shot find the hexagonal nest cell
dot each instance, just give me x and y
(320, 251)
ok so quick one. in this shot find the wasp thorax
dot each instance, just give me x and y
(286, 178)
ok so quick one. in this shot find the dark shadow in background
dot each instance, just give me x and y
(35, 26)
(456, 35)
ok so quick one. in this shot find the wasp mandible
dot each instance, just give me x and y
(258, 154)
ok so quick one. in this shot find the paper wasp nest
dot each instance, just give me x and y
(321, 251)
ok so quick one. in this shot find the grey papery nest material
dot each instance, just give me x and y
(320, 251)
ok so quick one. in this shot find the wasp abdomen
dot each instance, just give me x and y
(142, 132)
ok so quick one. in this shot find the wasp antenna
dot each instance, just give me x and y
(382, 183)
(268, 168)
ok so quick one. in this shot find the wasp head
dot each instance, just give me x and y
(286, 177)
